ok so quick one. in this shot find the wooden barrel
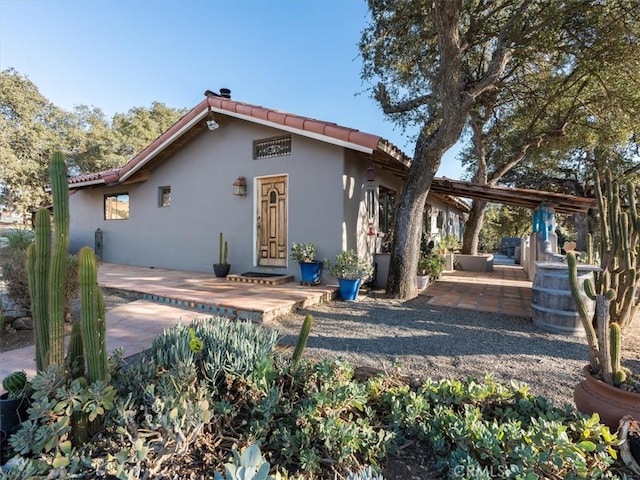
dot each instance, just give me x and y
(553, 307)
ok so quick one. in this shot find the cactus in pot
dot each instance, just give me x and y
(221, 269)
(615, 286)
(16, 384)
(609, 389)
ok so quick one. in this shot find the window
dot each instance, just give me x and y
(164, 196)
(386, 216)
(116, 206)
(272, 147)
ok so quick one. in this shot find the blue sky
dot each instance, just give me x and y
(296, 56)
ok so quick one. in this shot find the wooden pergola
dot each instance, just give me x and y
(521, 197)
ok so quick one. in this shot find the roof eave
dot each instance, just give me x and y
(148, 154)
(89, 183)
(297, 131)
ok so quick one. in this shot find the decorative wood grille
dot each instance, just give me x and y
(272, 147)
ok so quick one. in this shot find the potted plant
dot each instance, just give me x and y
(451, 245)
(14, 401)
(305, 255)
(350, 271)
(422, 277)
(610, 389)
(434, 265)
(221, 269)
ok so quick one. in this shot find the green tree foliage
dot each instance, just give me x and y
(439, 63)
(31, 128)
(140, 126)
(503, 221)
(94, 143)
(577, 104)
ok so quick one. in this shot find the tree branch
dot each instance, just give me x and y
(381, 95)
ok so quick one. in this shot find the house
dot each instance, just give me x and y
(264, 178)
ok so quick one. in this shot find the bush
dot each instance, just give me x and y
(15, 275)
(19, 239)
(204, 391)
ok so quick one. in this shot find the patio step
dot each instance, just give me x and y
(260, 278)
(174, 301)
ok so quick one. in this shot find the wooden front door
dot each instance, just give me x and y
(272, 221)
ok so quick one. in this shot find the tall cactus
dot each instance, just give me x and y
(38, 258)
(619, 248)
(57, 270)
(75, 354)
(302, 342)
(616, 285)
(47, 271)
(615, 338)
(92, 324)
(224, 251)
(587, 321)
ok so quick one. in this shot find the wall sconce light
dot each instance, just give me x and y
(371, 174)
(211, 123)
(240, 187)
(370, 190)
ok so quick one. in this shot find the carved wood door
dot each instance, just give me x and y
(272, 221)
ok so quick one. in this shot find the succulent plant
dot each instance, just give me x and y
(234, 347)
(15, 384)
(364, 474)
(251, 465)
(303, 252)
(348, 265)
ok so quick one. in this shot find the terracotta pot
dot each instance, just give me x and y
(611, 403)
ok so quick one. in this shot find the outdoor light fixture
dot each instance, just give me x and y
(370, 191)
(371, 174)
(240, 187)
(211, 123)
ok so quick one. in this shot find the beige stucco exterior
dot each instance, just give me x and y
(326, 202)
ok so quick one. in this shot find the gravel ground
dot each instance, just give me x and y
(421, 340)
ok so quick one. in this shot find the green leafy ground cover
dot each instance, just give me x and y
(206, 388)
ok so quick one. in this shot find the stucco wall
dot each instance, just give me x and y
(185, 234)
(452, 219)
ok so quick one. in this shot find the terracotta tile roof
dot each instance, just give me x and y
(296, 122)
(106, 176)
(321, 130)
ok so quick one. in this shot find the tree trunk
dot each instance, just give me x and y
(472, 228)
(405, 253)
(437, 136)
(584, 223)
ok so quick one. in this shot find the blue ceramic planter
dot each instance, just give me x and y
(349, 289)
(310, 272)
